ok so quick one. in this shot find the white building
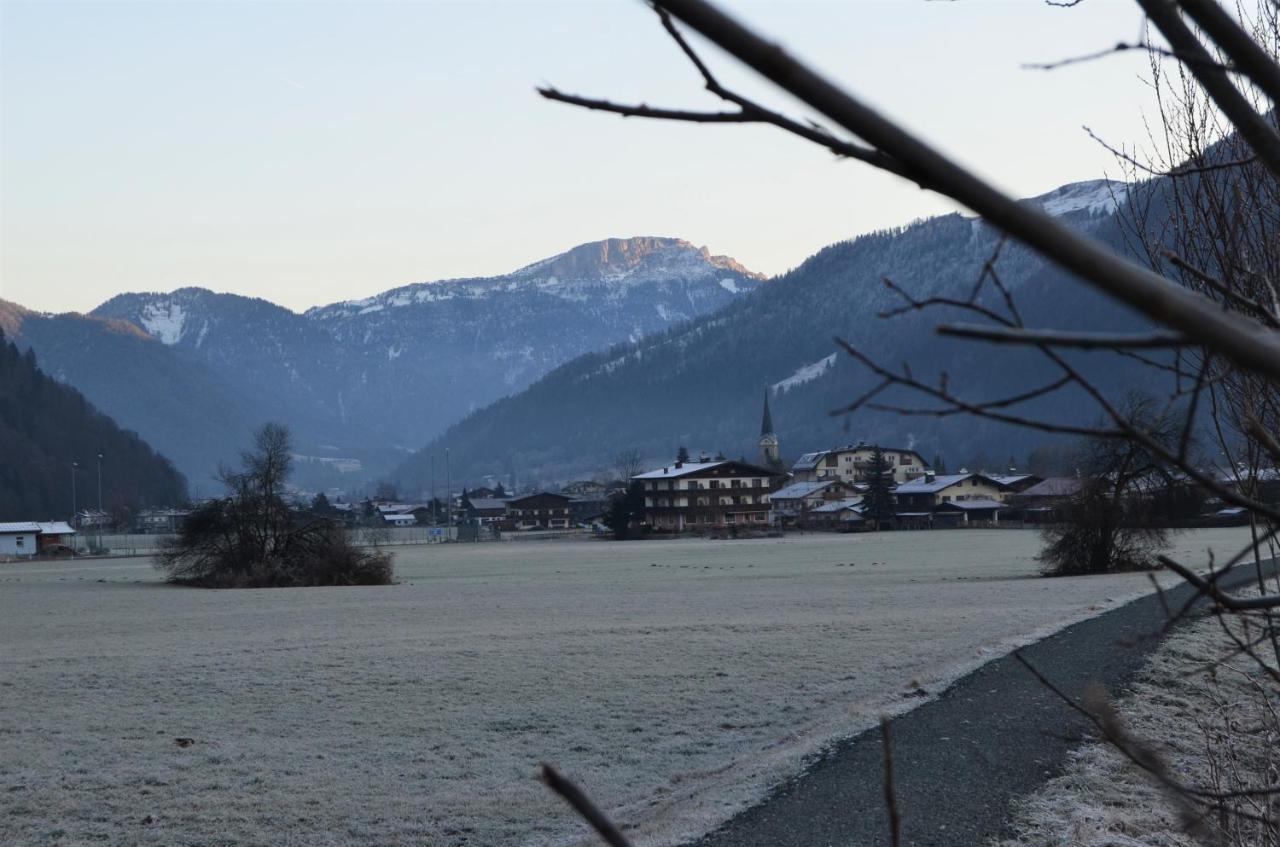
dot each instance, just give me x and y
(19, 538)
(850, 463)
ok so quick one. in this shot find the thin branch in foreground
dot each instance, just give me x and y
(1124, 47)
(581, 804)
(1239, 339)
(1236, 604)
(890, 797)
(1056, 338)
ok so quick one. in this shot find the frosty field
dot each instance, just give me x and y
(675, 680)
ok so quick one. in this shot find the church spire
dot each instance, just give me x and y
(766, 425)
(768, 438)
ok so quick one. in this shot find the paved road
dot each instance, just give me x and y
(960, 759)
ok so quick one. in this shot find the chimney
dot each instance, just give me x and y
(679, 464)
(929, 476)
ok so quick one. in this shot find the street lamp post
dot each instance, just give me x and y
(435, 513)
(74, 467)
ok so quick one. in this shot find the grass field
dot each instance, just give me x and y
(676, 680)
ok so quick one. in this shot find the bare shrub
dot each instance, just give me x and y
(252, 538)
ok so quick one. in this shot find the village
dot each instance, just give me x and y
(856, 487)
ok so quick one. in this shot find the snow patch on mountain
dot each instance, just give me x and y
(806, 373)
(1097, 197)
(164, 321)
(729, 285)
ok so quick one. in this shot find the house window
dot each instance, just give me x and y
(831, 461)
(904, 460)
(756, 483)
(20, 540)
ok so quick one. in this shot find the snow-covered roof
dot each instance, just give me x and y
(55, 528)
(926, 486)
(1009, 479)
(796, 490)
(18, 526)
(684, 470)
(808, 461)
(486, 503)
(838, 506)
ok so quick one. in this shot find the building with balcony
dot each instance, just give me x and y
(692, 496)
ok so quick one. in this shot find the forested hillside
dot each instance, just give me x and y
(700, 385)
(45, 426)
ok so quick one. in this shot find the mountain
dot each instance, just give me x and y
(700, 384)
(45, 426)
(362, 383)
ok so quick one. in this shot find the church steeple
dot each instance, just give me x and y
(769, 456)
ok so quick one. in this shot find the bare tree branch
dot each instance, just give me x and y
(582, 804)
(1056, 338)
(1238, 339)
(1248, 57)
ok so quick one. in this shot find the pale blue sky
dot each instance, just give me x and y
(309, 152)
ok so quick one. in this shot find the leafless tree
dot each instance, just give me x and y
(627, 463)
(252, 538)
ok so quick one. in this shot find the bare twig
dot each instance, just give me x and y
(1221, 597)
(584, 807)
(890, 797)
(1055, 338)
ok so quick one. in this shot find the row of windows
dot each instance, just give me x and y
(683, 502)
(697, 485)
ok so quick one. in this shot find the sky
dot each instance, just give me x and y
(309, 152)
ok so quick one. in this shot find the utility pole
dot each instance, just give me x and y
(448, 491)
(435, 514)
(101, 514)
(74, 466)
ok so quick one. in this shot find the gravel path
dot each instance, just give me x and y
(958, 760)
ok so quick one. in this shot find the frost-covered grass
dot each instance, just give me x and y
(676, 680)
(1214, 718)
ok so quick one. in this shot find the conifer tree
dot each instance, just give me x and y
(878, 501)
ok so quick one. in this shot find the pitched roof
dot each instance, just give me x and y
(797, 490)
(1009, 479)
(19, 526)
(692, 468)
(925, 486)
(55, 528)
(838, 506)
(511, 501)
(808, 461)
(484, 503)
(1054, 486)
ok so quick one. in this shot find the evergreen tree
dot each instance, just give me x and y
(878, 501)
(499, 491)
(320, 505)
(682, 455)
(625, 511)
(939, 464)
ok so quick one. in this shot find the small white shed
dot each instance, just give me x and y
(19, 539)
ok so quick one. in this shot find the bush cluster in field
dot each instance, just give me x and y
(253, 539)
